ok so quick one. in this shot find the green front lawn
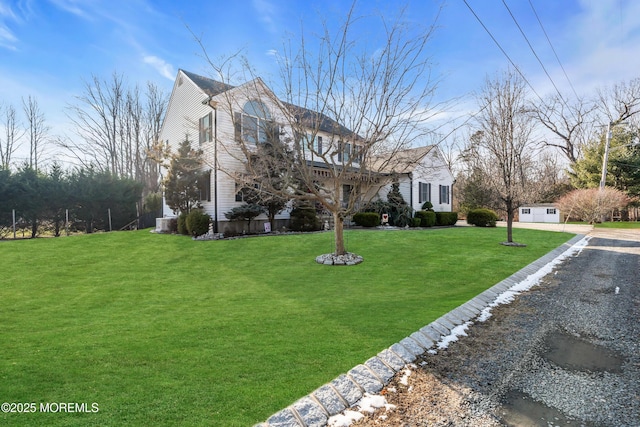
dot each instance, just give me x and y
(619, 224)
(163, 330)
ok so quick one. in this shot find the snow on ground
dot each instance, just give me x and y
(533, 279)
(369, 403)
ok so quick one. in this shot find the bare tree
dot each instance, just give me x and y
(620, 101)
(503, 144)
(118, 127)
(37, 130)
(343, 110)
(568, 122)
(9, 142)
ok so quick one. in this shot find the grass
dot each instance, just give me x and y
(619, 224)
(162, 330)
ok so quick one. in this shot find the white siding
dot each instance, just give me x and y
(539, 214)
(433, 170)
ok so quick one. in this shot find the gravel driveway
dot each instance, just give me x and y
(566, 352)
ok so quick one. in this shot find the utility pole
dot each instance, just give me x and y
(605, 159)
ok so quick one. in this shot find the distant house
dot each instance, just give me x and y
(543, 212)
(196, 110)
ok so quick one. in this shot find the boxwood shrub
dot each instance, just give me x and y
(446, 218)
(197, 223)
(367, 219)
(482, 218)
(427, 218)
(415, 222)
(182, 224)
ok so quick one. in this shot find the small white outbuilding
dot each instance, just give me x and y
(545, 212)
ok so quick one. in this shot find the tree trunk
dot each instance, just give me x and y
(509, 222)
(338, 221)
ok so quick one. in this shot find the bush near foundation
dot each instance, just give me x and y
(197, 223)
(427, 218)
(367, 219)
(446, 218)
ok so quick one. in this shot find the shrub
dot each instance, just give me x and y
(427, 218)
(415, 222)
(367, 219)
(427, 206)
(304, 218)
(446, 218)
(197, 223)
(482, 218)
(182, 224)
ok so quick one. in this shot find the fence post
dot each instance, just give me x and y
(13, 212)
(66, 221)
(109, 219)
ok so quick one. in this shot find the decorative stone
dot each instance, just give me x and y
(366, 379)
(328, 397)
(311, 412)
(347, 389)
(284, 418)
(333, 259)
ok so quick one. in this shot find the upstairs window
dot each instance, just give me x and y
(205, 127)
(344, 152)
(254, 124)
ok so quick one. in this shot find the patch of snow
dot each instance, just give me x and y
(617, 290)
(458, 331)
(533, 279)
(405, 377)
(344, 419)
(391, 389)
(370, 402)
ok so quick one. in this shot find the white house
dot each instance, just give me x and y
(423, 176)
(213, 115)
(543, 212)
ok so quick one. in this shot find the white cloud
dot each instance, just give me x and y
(266, 12)
(70, 6)
(165, 69)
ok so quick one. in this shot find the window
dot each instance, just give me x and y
(239, 193)
(344, 151)
(346, 193)
(254, 124)
(526, 211)
(444, 194)
(205, 129)
(313, 143)
(551, 211)
(204, 185)
(424, 192)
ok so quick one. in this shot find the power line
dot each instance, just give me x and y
(552, 48)
(532, 49)
(503, 51)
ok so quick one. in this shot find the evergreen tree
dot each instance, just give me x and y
(182, 192)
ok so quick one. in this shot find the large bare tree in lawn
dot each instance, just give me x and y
(503, 142)
(343, 108)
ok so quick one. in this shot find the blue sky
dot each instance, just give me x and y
(47, 47)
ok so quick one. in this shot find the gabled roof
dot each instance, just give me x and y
(209, 86)
(305, 116)
(402, 161)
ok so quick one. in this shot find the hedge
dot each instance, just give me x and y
(427, 218)
(446, 218)
(367, 219)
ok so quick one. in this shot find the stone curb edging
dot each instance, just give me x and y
(343, 392)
